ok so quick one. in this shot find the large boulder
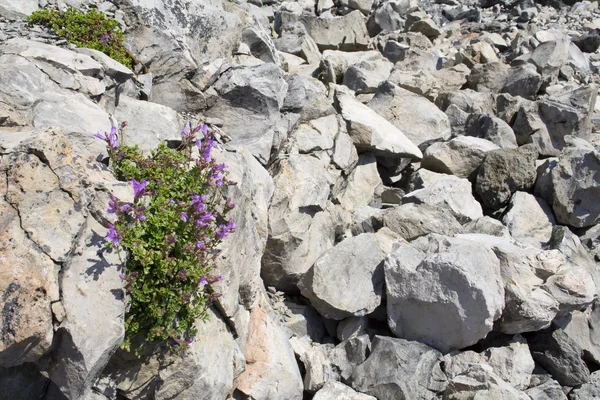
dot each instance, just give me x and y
(443, 316)
(347, 33)
(356, 265)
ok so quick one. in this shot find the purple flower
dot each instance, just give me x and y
(221, 277)
(184, 217)
(205, 219)
(230, 226)
(199, 144)
(139, 189)
(122, 276)
(106, 36)
(204, 129)
(202, 281)
(112, 236)
(189, 340)
(113, 205)
(197, 203)
(200, 245)
(220, 167)
(100, 136)
(229, 204)
(208, 145)
(171, 201)
(112, 139)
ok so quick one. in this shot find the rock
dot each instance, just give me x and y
(529, 219)
(395, 51)
(413, 220)
(359, 260)
(549, 390)
(569, 186)
(324, 363)
(523, 81)
(512, 363)
(450, 193)
(300, 226)
(487, 226)
(29, 285)
(419, 119)
(389, 16)
(358, 189)
(304, 321)
(260, 44)
(18, 8)
(23, 382)
(580, 326)
(306, 96)
(460, 157)
(347, 33)
(549, 57)
(352, 327)
(112, 68)
(488, 127)
(316, 135)
(467, 100)
(371, 132)
(366, 76)
(438, 316)
(504, 172)
(93, 301)
(271, 370)
(490, 77)
(560, 356)
(250, 97)
(589, 390)
(398, 367)
(295, 40)
(333, 390)
(427, 27)
(344, 154)
(589, 42)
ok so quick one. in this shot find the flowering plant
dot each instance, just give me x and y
(170, 233)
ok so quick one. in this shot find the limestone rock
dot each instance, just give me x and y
(488, 127)
(333, 390)
(347, 33)
(529, 219)
(356, 264)
(460, 156)
(413, 220)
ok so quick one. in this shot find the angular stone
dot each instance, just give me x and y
(549, 57)
(512, 363)
(439, 316)
(413, 220)
(529, 219)
(490, 77)
(358, 261)
(549, 390)
(371, 132)
(488, 127)
(450, 193)
(333, 390)
(504, 172)
(419, 119)
(366, 76)
(460, 156)
(358, 189)
(398, 367)
(347, 33)
(523, 81)
(560, 356)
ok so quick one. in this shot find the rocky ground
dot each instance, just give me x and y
(418, 199)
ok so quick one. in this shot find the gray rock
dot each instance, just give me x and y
(440, 316)
(529, 219)
(398, 367)
(295, 40)
(347, 33)
(467, 100)
(300, 226)
(260, 44)
(569, 187)
(490, 77)
(419, 119)
(581, 327)
(549, 390)
(366, 76)
(389, 16)
(488, 127)
(371, 132)
(316, 135)
(305, 321)
(249, 102)
(23, 382)
(359, 260)
(450, 193)
(590, 390)
(523, 81)
(352, 327)
(344, 154)
(512, 363)
(549, 57)
(307, 96)
(112, 68)
(333, 390)
(427, 27)
(359, 188)
(487, 226)
(413, 220)
(504, 172)
(560, 356)
(460, 156)
(18, 8)
(327, 362)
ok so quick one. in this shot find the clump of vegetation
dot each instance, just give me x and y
(169, 234)
(91, 29)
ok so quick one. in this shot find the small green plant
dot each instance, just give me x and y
(91, 29)
(170, 233)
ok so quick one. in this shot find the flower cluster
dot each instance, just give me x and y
(170, 233)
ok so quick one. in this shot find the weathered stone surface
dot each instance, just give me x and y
(398, 367)
(529, 219)
(488, 127)
(389, 16)
(348, 33)
(581, 327)
(504, 172)
(560, 356)
(460, 156)
(419, 119)
(441, 316)
(489, 77)
(333, 390)
(549, 390)
(571, 188)
(512, 363)
(300, 226)
(467, 100)
(352, 327)
(23, 382)
(549, 57)
(367, 75)
(523, 81)
(271, 369)
(371, 132)
(359, 260)
(452, 194)
(327, 362)
(413, 220)
(590, 390)
(358, 189)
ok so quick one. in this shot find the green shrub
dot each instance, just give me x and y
(170, 234)
(92, 30)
